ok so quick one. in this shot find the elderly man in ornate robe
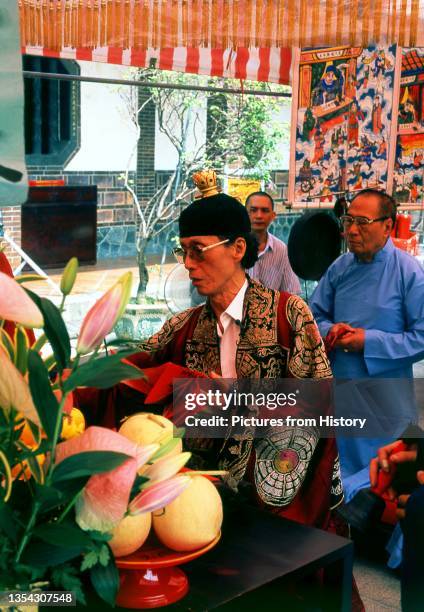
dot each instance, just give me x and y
(245, 331)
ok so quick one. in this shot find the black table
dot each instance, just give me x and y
(258, 548)
(261, 563)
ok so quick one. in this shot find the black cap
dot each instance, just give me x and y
(217, 215)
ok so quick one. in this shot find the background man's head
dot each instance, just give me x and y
(365, 240)
(260, 207)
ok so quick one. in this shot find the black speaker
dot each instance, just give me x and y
(314, 243)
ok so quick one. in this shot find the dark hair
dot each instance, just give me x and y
(260, 193)
(387, 204)
(252, 246)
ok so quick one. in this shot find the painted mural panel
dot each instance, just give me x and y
(409, 167)
(343, 120)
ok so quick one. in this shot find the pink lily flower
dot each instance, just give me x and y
(159, 495)
(14, 390)
(16, 305)
(104, 500)
(165, 468)
(102, 316)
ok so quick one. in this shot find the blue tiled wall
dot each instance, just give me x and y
(119, 241)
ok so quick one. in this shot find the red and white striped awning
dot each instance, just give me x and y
(254, 64)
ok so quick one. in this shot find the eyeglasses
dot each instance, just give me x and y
(348, 220)
(195, 252)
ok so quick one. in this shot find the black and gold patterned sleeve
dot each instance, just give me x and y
(308, 358)
(164, 338)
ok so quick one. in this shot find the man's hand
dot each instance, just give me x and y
(387, 458)
(340, 328)
(352, 341)
(334, 333)
(403, 499)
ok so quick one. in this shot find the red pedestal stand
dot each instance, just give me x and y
(150, 578)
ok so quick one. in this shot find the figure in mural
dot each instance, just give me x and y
(366, 77)
(407, 112)
(413, 192)
(308, 124)
(358, 177)
(354, 116)
(380, 64)
(377, 124)
(418, 158)
(330, 87)
(382, 149)
(319, 144)
(341, 186)
(326, 193)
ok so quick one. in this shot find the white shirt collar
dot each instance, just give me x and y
(234, 310)
(269, 245)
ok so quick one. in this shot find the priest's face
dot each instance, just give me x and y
(212, 270)
(366, 240)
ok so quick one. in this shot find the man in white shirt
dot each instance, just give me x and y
(273, 268)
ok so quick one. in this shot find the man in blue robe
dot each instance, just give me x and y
(370, 303)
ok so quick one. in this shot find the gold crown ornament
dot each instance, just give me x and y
(206, 183)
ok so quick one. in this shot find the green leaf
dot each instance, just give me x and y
(7, 343)
(42, 394)
(55, 330)
(69, 536)
(103, 372)
(43, 554)
(87, 463)
(89, 560)
(101, 536)
(60, 494)
(66, 578)
(104, 555)
(21, 353)
(27, 278)
(105, 581)
(165, 449)
(35, 469)
(7, 522)
(137, 484)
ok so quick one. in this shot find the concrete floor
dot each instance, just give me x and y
(378, 586)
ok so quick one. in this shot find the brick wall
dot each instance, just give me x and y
(146, 179)
(11, 216)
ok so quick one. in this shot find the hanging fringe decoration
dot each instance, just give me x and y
(140, 24)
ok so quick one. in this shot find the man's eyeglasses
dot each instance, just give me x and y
(348, 220)
(195, 252)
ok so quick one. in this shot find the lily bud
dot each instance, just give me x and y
(69, 275)
(165, 468)
(16, 305)
(101, 318)
(159, 495)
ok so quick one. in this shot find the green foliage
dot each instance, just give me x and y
(42, 394)
(55, 330)
(105, 580)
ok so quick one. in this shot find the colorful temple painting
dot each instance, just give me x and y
(408, 171)
(344, 113)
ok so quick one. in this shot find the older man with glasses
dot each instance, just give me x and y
(245, 330)
(370, 306)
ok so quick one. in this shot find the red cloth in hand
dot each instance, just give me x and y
(331, 339)
(384, 481)
(9, 326)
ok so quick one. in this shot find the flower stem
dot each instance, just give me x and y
(68, 507)
(28, 529)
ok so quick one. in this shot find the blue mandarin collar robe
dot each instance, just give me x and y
(386, 298)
